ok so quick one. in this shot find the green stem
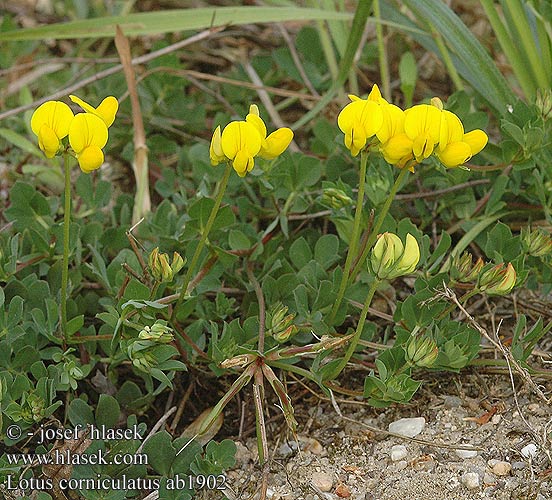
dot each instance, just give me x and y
(451, 69)
(383, 64)
(201, 244)
(65, 264)
(360, 326)
(354, 236)
(378, 223)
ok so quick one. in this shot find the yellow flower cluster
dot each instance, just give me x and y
(408, 137)
(54, 120)
(241, 141)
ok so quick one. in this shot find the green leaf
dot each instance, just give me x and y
(80, 412)
(21, 142)
(300, 253)
(238, 241)
(326, 250)
(160, 451)
(107, 411)
(75, 324)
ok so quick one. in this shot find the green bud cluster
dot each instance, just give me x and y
(160, 268)
(421, 351)
(158, 332)
(335, 198)
(536, 243)
(463, 268)
(280, 323)
(498, 280)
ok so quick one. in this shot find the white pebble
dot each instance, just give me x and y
(465, 453)
(529, 451)
(322, 480)
(470, 480)
(409, 427)
(398, 452)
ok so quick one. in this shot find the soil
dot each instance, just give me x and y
(346, 457)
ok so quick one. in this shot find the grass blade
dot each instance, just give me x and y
(167, 21)
(487, 80)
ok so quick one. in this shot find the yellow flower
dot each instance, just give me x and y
(240, 142)
(50, 122)
(396, 146)
(390, 258)
(456, 147)
(106, 110)
(422, 125)
(276, 143)
(87, 136)
(359, 120)
(216, 153)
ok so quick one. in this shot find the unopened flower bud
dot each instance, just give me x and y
(421, 351)
(159, 332)
(238, 361)
(177, 263)
(464, 270)
(166, 271)
(284, 335)
(336, 198)
(390, 259)
(144, 361)
(435, 101)
(536, 243)
(544, 103)
(498, 280)
(155, 265)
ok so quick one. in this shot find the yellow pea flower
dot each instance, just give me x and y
(456, 147)
(240, 142)
(87, 136)
(106, 110)
(50, 122)
(276, 143)
(359, 121)
(396, 146)
(422, 125)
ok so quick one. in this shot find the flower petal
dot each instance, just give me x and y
(215, 149)
(90, 158)
(276, 143)
(238, 136)
(48, 141)
(108, 109)
(87, 130)
(56, 114)
(477, 140)
(455, 154)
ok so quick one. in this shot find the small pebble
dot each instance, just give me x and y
(342, 491)
(501, 468)
(470, 480)
(452, 402)
(398, 452)
(409, 427)
(518, 465)
(489, 479)
(529, 451)
(322, 480)
(465, 453)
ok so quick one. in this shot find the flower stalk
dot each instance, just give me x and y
(65, 262)
(204, 235)
(354, 236)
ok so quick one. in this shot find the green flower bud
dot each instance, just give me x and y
(421, 351)
(284, 335)
(144, 361)
(464, 270)
(498, 280)
(166, 271)
(177, 263)
(335, 198)
(159, 332)
(544, 103)
(154, 265)
(390, 259)
(536, 243)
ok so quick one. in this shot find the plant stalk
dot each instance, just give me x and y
(378, 223)
(201, 244)
(354, 236)
(65, 263)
